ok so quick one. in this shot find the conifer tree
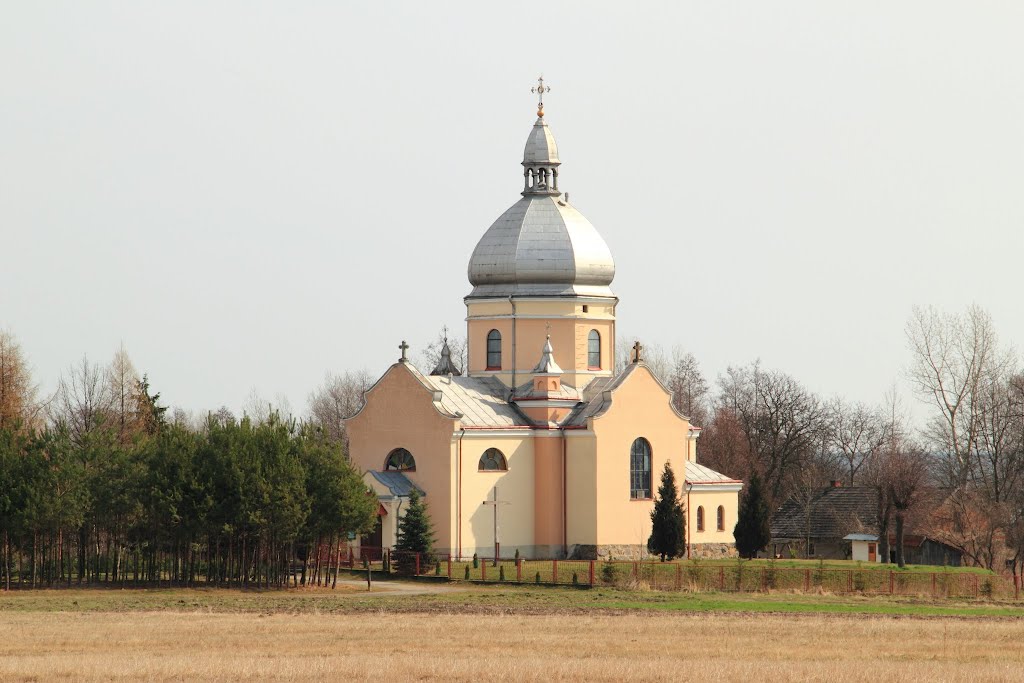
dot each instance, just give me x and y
(752, 532)
(415, 535)
(667, 521)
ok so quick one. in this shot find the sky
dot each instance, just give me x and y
(249, 195)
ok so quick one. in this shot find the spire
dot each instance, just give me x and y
(445, 366)
(540, 157)
(547, 364)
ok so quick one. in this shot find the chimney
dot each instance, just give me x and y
(836, 484)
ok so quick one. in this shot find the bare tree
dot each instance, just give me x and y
(431, 354)
(83, 402)
(855, 433)
(951, 355)
(122, 388)
(690, 390)
(18, 403)
(781, 420)
(336, 399)
(905, 472)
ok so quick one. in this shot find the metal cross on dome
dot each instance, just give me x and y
(540, 89)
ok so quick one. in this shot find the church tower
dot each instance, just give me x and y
(541, 270)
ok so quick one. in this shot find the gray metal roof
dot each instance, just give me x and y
(397, 483)
(540, 145)
(698, 474)
(860, 537)
(481, 402)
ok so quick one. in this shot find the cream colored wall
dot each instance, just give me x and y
(640, 408)
(515, 520)
(564, 319)
(710, 500)
(581, 488)
(859, 551)
(399, 412)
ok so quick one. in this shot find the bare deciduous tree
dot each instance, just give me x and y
(17, 392)
(83, 402)
(336, 399)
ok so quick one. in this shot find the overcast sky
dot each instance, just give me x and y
(248, 195)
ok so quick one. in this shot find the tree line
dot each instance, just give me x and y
(99, 485)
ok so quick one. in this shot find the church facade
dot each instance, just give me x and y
(538, 444)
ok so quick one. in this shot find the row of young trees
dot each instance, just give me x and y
(98, 485)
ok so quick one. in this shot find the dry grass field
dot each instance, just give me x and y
(193, 639)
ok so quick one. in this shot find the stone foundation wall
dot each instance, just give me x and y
(712, 551)
(703, 551)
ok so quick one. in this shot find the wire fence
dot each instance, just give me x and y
(696, 576)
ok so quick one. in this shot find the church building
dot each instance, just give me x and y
(538, 444)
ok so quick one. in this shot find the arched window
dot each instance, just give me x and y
(494, 350)
(721, 518)
(700, 518)
(640, 469)
(400, 460)
(493, 460)
(594, 350)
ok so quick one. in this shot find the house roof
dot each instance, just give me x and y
(860, 537)
(830, 513)
(396, 483)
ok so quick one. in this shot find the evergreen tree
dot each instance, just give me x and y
(415, 535)
(667, 521)
(752, 533)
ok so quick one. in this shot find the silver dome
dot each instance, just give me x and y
(541, 246)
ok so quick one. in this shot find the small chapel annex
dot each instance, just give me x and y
(572, 451)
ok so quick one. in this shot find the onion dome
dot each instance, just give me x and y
(541, 246)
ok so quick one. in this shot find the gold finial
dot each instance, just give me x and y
(540, 89)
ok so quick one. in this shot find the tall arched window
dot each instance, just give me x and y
(640, 469)
(493, 460)
(494, 350)
(700, 518)
(721, 518)
(594, 350)
(400, 460)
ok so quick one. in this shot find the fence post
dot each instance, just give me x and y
(721, 577)
(351, 558)
(554, 571)
(849, 580)
(975, 585)
(483, 570)
(933, 585)
(892, 582)
(591, 573)
(679, 577)
(807, 580)
(519, 570)
(636, 570)
(417, 564)
(449, 566)
(764, 580)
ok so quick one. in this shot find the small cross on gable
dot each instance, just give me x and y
(404, 347)
(637, 351)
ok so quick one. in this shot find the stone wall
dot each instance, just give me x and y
(703, 551)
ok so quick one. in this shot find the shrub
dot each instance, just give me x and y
(466, 573)
(610, 573)
(575, 579)
(517, 554)
(536, 579)
(476, 561)
(501, 573)
(437, 569)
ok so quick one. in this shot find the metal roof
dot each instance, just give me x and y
(698, 475)
(860, 537)
(480, 402)
(397, 483)
(540, 145)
